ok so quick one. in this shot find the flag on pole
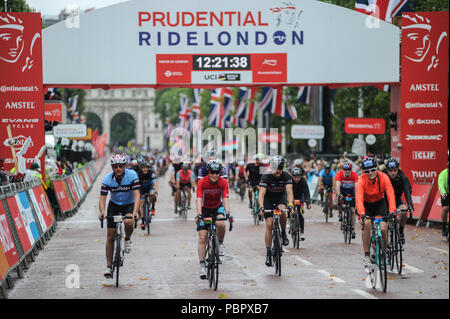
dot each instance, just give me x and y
(289, 111)
(196, 105)
(250, 111)
(241, 103)
(281, 106)
(220, 107)
(228, 106)
(382, 9)
(184, 113)
(268, 96)
(304, 94)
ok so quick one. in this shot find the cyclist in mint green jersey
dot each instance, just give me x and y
(443, 189)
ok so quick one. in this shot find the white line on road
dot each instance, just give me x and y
(440, 250)
(364, 294)
(333, 277)
(412, 270)
(307, 263)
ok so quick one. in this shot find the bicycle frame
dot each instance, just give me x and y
(277, 248)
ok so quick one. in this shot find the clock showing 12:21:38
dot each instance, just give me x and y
(221, 62)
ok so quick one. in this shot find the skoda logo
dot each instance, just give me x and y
(279, 37)
(411, 121)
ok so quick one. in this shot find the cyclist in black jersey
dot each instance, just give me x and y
(401, 185)
(252, 177)
(300, 191)
(147, 180)
(275, 191)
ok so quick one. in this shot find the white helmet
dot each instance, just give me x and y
(298, 161)
(118, 159)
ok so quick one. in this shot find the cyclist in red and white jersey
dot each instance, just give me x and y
(212, 190)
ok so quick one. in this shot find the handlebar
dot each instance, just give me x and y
(123, 217)
(214, 219)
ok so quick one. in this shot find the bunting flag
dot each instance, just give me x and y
(250, 111)
(228, 107)
(220, 107)
(83, 119)
(268, 96)
(185, 112)
(196, 105)
(281, 106)
(304, 94)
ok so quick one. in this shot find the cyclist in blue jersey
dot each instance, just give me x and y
(147, 181)
(326, 181)
(124, 186)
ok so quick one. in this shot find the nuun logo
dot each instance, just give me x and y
(279, 37)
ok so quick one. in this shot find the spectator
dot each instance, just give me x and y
(5, 176)
(32, 172)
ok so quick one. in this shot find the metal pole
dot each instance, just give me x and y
(6, 5)
(361, 115)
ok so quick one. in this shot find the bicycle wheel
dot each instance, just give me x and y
(209, 262)
(216, 263)
(325, 210)
(382, 269)
(292, 229)
(276, 248)
(344, 227)
(147, 216)
(297, 231)
(118, 257)
(398, 248)
(373, 258)
(348, 226)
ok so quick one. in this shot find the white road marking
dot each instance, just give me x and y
(302, 260)
(330, 276)
(440, 250)
(364, 294)
(412, 270)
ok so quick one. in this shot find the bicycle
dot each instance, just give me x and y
(377, 251)
(327, 208)
(256, 217)
(148, 215)
(119, 255)
(347, 220)
(395, 247)
(294, 223)
(183, 204)
(212, 259)
(241, 189)
(277, 241)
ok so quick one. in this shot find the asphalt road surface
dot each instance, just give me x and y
(165, 264)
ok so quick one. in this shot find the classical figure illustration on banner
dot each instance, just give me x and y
(419, 32)
(13, 40)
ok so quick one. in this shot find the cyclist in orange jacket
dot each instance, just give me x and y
(370, 191)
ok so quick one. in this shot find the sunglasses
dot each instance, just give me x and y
(214, 172)
(118, 165)
(367, 171)
(347, 170)
(392, 169)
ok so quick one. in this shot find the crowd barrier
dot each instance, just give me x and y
(28, 218)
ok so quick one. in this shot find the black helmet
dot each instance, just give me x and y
(369, 163)
(327, 166)
(392, 163)
(277, 162)
(213, 165)
(296, 171)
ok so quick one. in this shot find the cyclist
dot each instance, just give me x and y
(275, 191)
(346, 180)
(298, 163)
(401, 184)
(370, 200)
(443, 189)
(252, 177)
(185, 180)
(239, 173)
(124, 186)
(300, 191)
(147, 179)
(173, 170)
(212, 192)
(327, 181)
(203, 171)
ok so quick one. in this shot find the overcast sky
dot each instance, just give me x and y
(54, 7)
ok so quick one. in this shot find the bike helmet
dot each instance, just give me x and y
(118, 159)
(185, 166)
(213, 165)
(241, 163)
(298, 161)
(347, 166)
(277, 163)
(392, 163)
(327, 166)
(212, 153)
(369, 163)
(296, 171)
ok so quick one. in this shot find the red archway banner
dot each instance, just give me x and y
(22, 96)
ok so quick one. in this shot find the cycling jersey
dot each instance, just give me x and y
(443, 182)
(275, 187)
(185, 178)
(147, 180)
(254, 175)
(212, 193)
(347, 183)
(204, 172)
(240, 171)
(121, 194)
(401, 185)
(368, 191)
(327, 179)
(301, 191)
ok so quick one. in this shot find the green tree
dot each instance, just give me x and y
(94, 122)
(123, 129)
(15, 6)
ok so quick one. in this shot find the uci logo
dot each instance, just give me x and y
(279, 37)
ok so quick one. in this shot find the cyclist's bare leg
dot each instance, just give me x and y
(268, 235)
(365, 235)
(152, 199)
(403, 215)
(177, 197)
(283, 218)
(330, 200)
(110, 246)
(444, 214)
(250, 194)
(129, 226)
(141, 208)
(188, 191)
(220, 229)
(202, 238)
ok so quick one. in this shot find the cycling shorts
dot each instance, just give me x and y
(273, 202)
(114, 209)
(182, 185)
(378, 208)
(210, 212)
(444, 201)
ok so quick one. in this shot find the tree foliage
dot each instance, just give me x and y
(15, 6)
(123, 129)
